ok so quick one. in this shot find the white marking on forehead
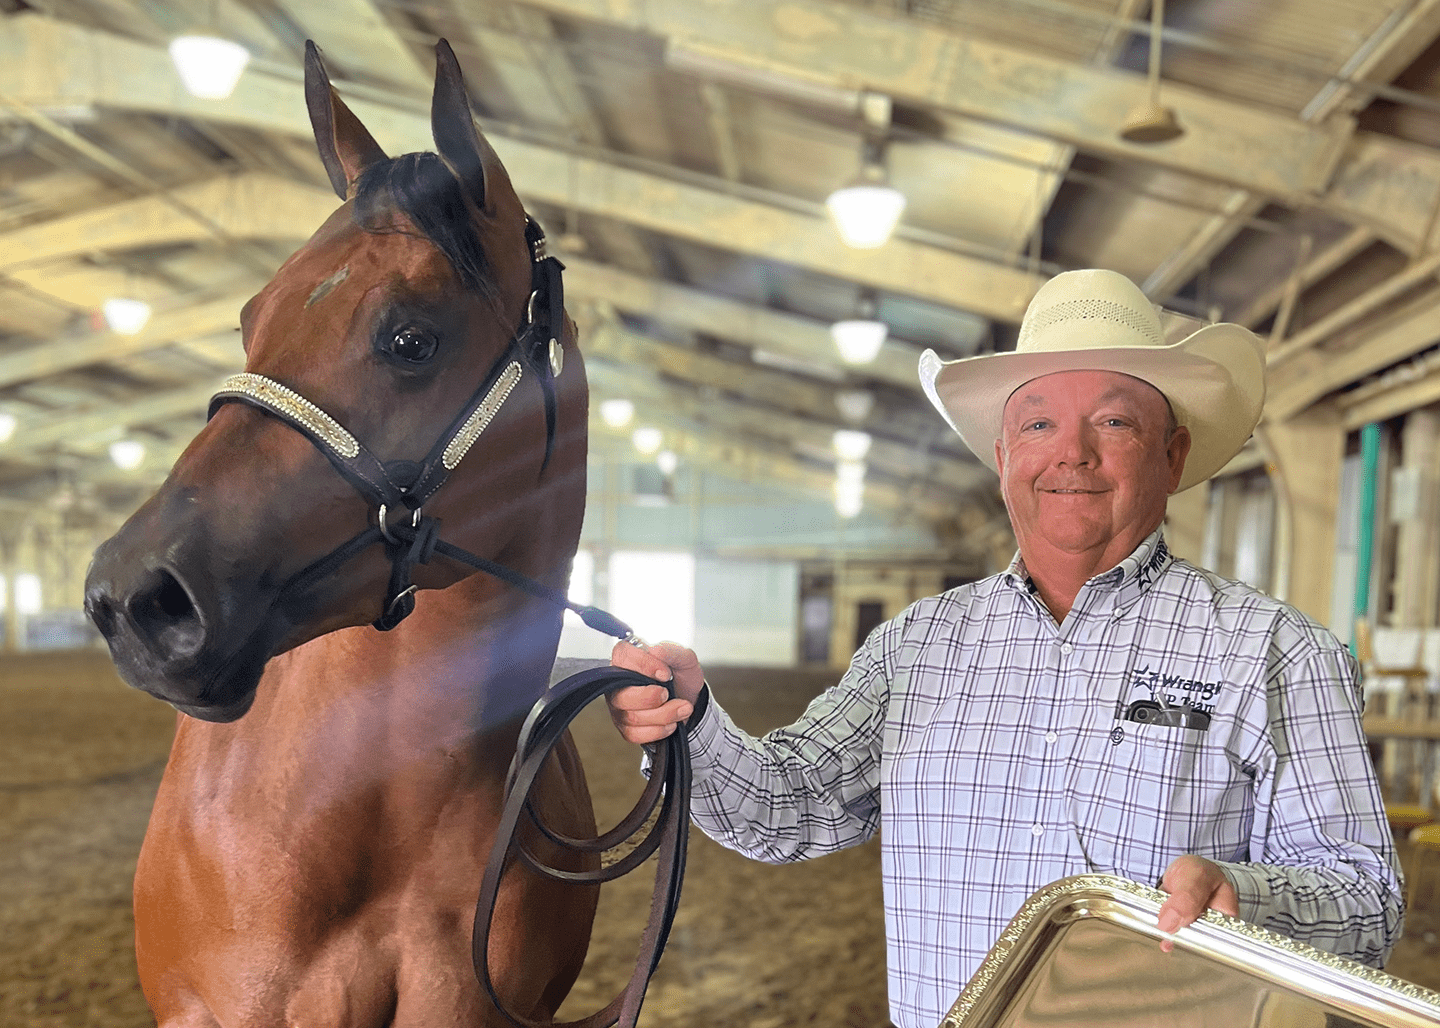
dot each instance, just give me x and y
(330, 283)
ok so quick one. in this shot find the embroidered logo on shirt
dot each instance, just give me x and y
(1173, 700)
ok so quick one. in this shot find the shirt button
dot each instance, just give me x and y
(1066, 649)
(1037, 830)
(1051, 736)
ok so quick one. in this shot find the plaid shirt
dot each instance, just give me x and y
(1172, 712)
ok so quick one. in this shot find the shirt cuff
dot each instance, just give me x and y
(701, 729)
(1252, 886)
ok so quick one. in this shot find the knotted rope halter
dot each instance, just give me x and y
(406, 486)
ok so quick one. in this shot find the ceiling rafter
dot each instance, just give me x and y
(808, 422)
(1359, 177)
(938, 67)
(703, 214)
(258, 205)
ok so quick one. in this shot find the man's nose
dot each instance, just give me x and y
(1075, 446)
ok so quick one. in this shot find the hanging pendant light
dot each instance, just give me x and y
(1150, 122)
(867, 210)
(125, 315)
(860, 338)
(208, 66)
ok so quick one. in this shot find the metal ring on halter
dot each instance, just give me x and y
(530, 307)
(385, 530)
(404, 593)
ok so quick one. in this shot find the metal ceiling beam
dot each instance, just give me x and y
(1213, 235)
(1386, 184)
(257, 205)
(253, 205)
(84, 66)
(692, 433)
(67, 426)
(1394, 39)
(357, 40)
(77, 351)
(801, 413)
(925, 64)
(944, 475)
(794, 336)
(1322, 264)
(1309, 377)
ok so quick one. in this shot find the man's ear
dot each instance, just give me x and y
(1000, 456)
(1175, 453)
(346, 146)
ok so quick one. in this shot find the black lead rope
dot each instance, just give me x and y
(669, 788)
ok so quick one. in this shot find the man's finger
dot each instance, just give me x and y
(651, 665)
(1195, 885)
(667, 713)
(639, 697)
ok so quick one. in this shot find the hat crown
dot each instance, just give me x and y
(1089, 309)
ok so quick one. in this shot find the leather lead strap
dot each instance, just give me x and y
(669, 786)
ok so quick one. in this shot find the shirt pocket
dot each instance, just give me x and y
(1159, 792)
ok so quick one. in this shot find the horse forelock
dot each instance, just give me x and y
(421, 188)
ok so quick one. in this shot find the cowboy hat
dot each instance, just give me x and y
(1098, 320)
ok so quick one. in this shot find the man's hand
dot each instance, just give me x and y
(1195, 885)
(646, 713)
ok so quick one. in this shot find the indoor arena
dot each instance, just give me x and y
(965, 472)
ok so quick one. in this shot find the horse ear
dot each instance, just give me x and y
(346, 146)
(466, 152)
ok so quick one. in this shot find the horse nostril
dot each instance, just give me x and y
(166, 614)
(101, 611)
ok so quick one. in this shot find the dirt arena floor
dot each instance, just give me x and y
(754, 946)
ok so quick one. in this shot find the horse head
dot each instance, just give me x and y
(414, 301)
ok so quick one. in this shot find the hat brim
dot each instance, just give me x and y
(1214, 380)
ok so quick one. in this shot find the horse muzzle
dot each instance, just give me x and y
(160, 624)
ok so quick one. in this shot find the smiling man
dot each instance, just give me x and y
(1098, 706)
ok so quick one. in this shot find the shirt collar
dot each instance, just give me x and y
(1128, 580)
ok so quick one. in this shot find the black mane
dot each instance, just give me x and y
(421, 187)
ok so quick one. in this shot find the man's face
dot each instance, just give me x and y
(1085, 465)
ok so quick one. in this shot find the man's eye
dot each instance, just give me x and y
(1031, 425)
(410, 344)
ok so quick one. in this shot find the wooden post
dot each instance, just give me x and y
(1308, 451)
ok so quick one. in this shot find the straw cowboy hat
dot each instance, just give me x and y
(1097, 320)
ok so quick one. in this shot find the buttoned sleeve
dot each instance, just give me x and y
(801, 791)
(1323, 868)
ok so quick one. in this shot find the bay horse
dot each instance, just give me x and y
(330, 798)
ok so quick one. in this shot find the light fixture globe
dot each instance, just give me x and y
(617, 413)
(859, 339)
(127, 454)
(849, 498)
(208, 66)
(125, 315)
(647, 440)
(8, 423)
(866, 212)
(850, 445)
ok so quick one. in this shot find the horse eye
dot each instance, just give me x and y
(410, 344)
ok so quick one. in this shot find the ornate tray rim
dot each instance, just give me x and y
(1066, 891)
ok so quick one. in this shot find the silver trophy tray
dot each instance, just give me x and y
(1085, 951)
